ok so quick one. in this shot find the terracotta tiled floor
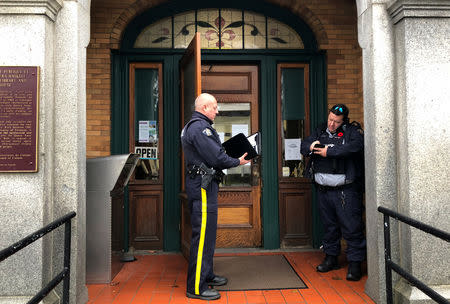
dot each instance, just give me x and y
(162, 279)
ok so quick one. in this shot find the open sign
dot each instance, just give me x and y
(147, 152)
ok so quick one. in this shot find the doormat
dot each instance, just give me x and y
(257, 272)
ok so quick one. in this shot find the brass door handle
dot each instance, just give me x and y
(255, 174)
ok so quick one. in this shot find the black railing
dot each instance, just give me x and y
(63, 275)
(389, 265)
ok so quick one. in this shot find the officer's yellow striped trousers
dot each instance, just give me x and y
(201, 243)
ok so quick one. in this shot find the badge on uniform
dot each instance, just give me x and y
(207, 132)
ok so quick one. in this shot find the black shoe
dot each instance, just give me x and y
(354, 271)
(329, 263)
(208, 294)
(218, 281)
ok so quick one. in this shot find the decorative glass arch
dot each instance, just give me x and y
(219, 29)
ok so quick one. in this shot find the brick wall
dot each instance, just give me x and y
(334, 23)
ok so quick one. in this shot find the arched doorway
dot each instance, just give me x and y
(284, 63)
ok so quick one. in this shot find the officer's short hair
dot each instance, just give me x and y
(340, 109)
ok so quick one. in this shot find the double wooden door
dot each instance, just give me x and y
(236, 88)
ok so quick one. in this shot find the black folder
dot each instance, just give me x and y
(237, 145)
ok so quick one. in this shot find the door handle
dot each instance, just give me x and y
(255, 174)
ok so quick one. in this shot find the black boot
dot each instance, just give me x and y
(354, 271)
(208, 295)
(329, 263)
(218, 281)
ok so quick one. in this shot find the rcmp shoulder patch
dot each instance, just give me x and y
(207, 132)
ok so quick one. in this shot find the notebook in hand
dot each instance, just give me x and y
(239, 144)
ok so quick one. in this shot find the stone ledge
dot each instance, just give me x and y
(51, 298)
(49, 8)
(14, 300)
(401, 9)
(406, 293)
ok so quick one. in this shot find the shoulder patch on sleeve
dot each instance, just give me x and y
(207, 132)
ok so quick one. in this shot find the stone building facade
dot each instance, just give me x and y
(389, 61)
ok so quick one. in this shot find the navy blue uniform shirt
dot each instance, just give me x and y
(347, 149)
(201, 143)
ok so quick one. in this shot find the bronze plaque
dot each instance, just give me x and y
(19, 104)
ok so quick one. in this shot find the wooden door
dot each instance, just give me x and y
(294, 192)
(236, 90)
(146, 139)
(190, 87)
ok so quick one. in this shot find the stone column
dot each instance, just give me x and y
(406, 65)
(422, 51)
(72, 37)
(53, 35)
(376, 40)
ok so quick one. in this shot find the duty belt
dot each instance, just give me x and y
(205, 172)
(330, 188)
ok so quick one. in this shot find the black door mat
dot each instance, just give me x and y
(256, 272)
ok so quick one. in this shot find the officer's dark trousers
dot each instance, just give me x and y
(341, 215)
(203, 241)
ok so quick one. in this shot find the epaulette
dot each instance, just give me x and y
(358, 126)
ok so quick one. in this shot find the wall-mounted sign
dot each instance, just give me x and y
(19, 104)
(147, 152)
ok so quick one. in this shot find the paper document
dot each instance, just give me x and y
(292, 149)
(144, 130)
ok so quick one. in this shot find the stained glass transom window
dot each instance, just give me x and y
(220, 29)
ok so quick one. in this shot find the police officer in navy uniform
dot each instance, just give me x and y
(205, 158)
(337, 170)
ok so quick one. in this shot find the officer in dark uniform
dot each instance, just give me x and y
(205, 158)
(337, 168)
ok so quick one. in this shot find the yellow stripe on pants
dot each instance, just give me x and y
(201, 244)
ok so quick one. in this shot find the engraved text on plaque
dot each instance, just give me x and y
(19, 102)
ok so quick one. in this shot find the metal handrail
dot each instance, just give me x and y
(64, 275)
(389, 265)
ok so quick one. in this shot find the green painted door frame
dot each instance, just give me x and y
(267, 62)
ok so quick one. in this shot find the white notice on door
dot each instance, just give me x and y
(144, 131)
(236, 129)
(292, 149)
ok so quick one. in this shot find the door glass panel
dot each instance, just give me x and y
(292, 121)
(146, 123)
(234, 118)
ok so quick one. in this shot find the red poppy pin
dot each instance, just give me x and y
(340, 134)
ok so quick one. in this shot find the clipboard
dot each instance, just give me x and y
(237, 145)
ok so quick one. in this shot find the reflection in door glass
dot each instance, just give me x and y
(146, 123)
(234, 118)
(292, 120)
